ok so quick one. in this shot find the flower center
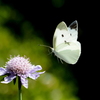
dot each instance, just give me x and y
(19, 65)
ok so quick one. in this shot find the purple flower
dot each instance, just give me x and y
(20, 66)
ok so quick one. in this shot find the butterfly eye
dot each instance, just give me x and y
(62, 35)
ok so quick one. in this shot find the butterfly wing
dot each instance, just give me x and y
(61, 34)
(65, 34)
(73, 30)
(69, 53)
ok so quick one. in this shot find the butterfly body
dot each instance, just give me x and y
(65, 44)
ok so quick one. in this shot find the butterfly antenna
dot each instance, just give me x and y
(46, 46)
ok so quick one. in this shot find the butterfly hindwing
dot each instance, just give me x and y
(68, 52)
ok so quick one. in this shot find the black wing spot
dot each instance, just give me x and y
(62, 35)
(67, 42)
(70, 34)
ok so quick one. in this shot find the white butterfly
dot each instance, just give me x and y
(65, 44)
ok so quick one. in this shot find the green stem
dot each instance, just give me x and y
(19, 88)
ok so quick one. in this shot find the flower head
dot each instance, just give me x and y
(21, 67)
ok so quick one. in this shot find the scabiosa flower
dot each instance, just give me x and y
(21, 67)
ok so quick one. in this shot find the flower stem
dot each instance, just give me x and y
(19, 88)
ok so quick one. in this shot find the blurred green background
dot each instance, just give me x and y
(24, 25)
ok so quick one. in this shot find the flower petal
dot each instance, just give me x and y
(36, 68)
(8, 79)
(2, 71)
(24, 82)
(35, 75)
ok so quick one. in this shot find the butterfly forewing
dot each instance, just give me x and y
(74, 25)
(73, 30)
(61, 34)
